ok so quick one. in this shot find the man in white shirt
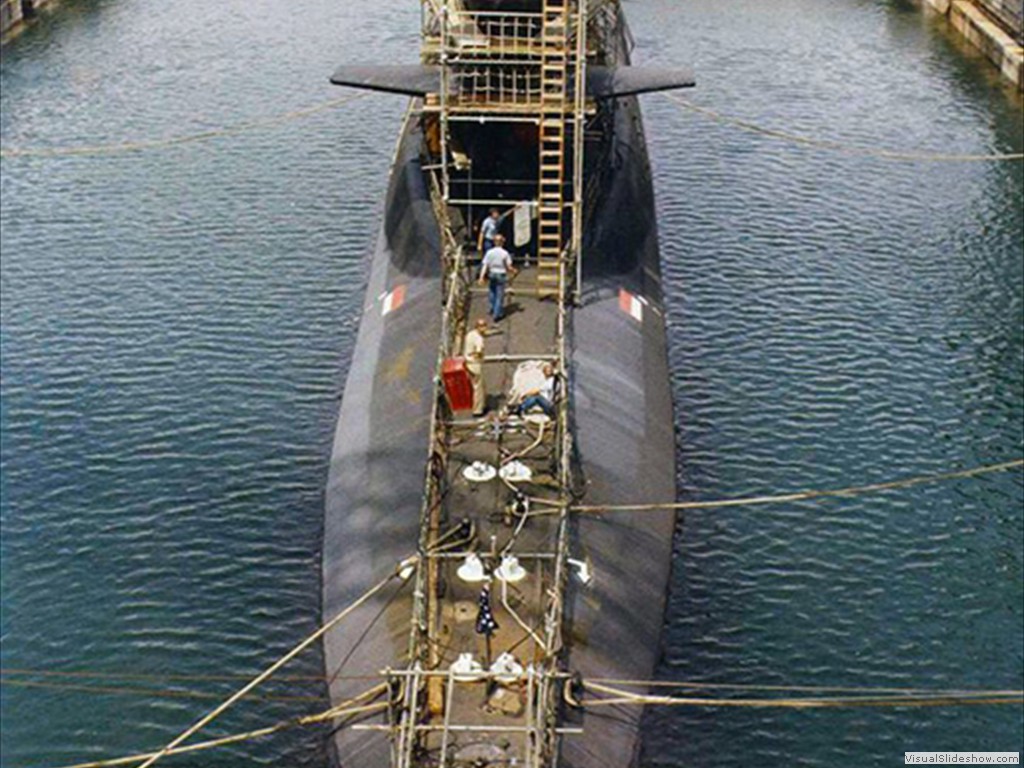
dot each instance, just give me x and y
(473, 350)
(488, 230)
(543, 398)
(496, 270)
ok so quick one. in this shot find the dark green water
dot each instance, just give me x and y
(175, 325)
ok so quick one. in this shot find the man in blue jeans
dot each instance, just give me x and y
(496, 270)
(543, 398)
(488, 230)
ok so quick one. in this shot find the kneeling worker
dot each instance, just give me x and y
(473, 350)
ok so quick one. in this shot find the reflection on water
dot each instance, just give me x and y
(176, 324)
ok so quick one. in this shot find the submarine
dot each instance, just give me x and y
(482, 583)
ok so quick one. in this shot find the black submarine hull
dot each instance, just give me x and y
(623, 425)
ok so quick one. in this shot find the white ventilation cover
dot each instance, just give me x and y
(479, 472)
(472, 569)
(506, 669)
(466, 669)
(510, 570)
(516, 472)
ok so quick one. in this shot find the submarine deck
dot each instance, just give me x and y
(476, 716)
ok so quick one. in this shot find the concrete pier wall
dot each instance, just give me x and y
(14, 14)
(992, 26)
(11, 15)
(1009, 14)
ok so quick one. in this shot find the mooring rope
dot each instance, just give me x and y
(138, 146)
(345, 709)
(104, 690)
(678, 684)
(402, 572)
(836, 146)
(855, 689)
(621, 697)
(170, 676)
(856, 490)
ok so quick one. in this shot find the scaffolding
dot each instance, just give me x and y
(494, 697)
(517, 67)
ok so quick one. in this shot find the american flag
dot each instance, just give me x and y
(485, 623)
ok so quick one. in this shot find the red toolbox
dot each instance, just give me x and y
(457, 384)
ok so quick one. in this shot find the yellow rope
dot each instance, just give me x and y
(800, 495)
(137, 146)
(958, 699)
(687, 684)
(128, 691)
(342, 710)
(801, 688)
(220, 709)
(809, 703)
(108, 675)
(838, 146)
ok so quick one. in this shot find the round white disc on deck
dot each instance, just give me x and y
(506, 669)
(516, 472)
(479, 472)
(466, 669)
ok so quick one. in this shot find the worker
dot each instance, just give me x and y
(473, 351)
(488, 230)
(496, 270)
(543, 397)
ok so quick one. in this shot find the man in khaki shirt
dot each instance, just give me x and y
(473, 350)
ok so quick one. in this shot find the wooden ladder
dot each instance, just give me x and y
(554, 102)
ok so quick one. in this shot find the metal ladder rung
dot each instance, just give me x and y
(554, 105)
